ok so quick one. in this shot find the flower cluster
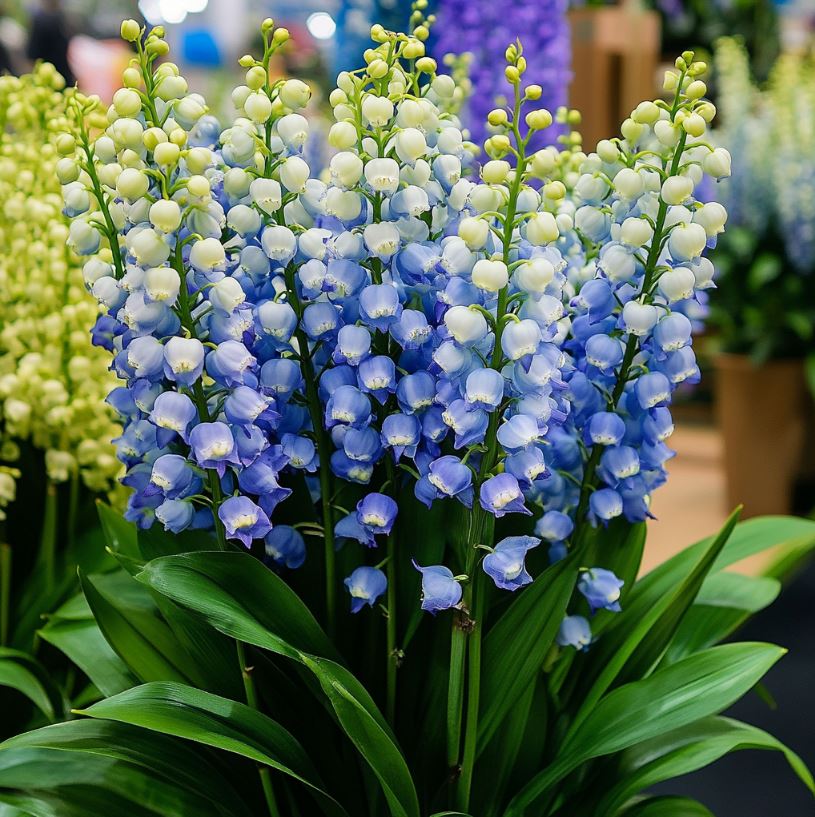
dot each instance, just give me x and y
(52, 384)
(482, 31)
(508, 342)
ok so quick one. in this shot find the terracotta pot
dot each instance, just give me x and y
(763, 413)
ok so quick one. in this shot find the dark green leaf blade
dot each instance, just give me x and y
(22, 672)
(688, 749)
(88, 764)
(696, 687)
(184, 712)
(516, 647)
(252, 605)
(668, 807)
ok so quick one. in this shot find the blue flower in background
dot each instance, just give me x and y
(574, 631)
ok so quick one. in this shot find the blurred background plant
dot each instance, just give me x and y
(55, 427)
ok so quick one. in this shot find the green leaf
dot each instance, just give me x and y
(21, 671)
(132, 626)
(264, 597)
(766, 268)
(241, 599)
(724, 603)
(668, 807)
(82, 641)
(696, 687)
(121, 536)
(638, 637)
(516, 647)
(809, 372)
(688, 749)
(100, 769)
(184, 712)
(373, 743)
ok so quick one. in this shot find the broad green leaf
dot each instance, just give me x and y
(82, 641)
(121, 536)
(749, 537)
(226, 578)
(696, 687)
(101, 769)
(21, 671)
(184, 712)
(132, 626)
(724, 603)
(516, 647)
(688, 749)
(371, 740)
(242, 600)
(637, 639)
(668, 807)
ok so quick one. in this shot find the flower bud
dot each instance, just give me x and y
(542, 229)
(717, 163)
(676, 189)
(165, 215)
(646, 113)
(495, 171)
(377, 110)
(130, 31)
(474, 232)
(346, 169)
(294, 173)
(608, 151)
(666, 132)
(539, 120)
(256, 77)
(694, 125)
(632, 130)
(636, 232)
(132, 184)
(198, 186)
(491, 276)
(542, 163)
(342, 135)
(127, 102)
(497, 117)
(294, 93)
(258, 107)
(167, 154)
(554, 190)
(696, 90)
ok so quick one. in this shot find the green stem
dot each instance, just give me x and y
(252, 700)
(473, 695)
(393, 656)
(48, 540)
(5, 591)
(466, 636)
(455, 692)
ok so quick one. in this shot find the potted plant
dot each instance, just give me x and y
(400, 428)
(763, 311)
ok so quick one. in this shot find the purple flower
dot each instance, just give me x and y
(243, 520)
(502, 494)
(213, 446)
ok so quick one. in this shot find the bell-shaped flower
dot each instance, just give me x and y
(440, 589)
(365, 585)
(505, 564)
